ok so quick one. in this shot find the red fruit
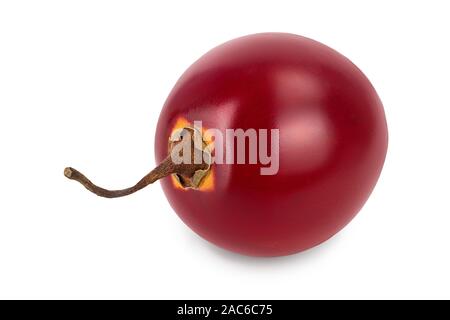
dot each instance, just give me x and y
(332, 143)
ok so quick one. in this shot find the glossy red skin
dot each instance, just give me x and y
(333, 142)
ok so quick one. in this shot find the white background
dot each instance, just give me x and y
(82, 84)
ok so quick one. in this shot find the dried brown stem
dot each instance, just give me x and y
(165, 168)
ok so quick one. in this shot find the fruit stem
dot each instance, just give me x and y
(165, 168)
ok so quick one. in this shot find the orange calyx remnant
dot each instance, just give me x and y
(207, 181)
